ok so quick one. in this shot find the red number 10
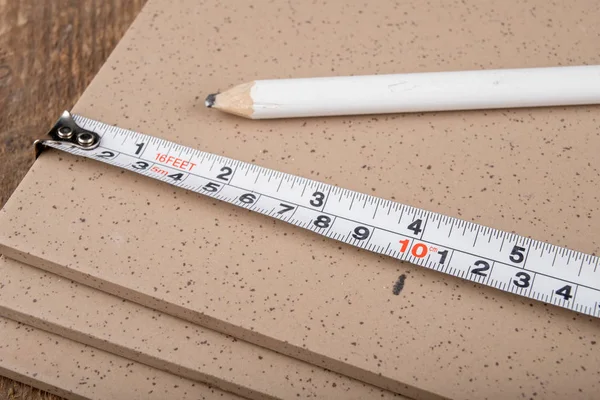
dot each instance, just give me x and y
(418, 250)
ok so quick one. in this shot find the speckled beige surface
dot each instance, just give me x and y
(532, 171)
(75, 371)
(78, 312)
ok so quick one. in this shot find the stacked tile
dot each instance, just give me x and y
(75, 371)
(45, 301)
(224, 269)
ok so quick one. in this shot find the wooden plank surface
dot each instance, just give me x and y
(49, 52)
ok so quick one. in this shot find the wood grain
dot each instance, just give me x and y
(49, 52)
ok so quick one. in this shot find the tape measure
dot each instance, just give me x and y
(488, 256)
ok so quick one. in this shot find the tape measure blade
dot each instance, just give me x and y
(503, 260)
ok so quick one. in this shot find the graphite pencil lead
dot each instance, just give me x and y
(210, 100)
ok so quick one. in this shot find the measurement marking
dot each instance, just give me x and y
(388, 247)
(532, 282)
(580, 268)
(234, 167)
(303, 190)
(527, 247)
(326, 198)
(450, 259)
(424, 226)
(213, 163)
(376, 208)
(401, 214)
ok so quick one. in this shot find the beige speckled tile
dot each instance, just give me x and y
(78, 312)
(75, 371)
(533, 171)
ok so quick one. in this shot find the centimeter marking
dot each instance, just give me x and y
(503, 260)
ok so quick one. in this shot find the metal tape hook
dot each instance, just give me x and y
(67, 132)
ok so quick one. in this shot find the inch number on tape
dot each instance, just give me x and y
(503, 260)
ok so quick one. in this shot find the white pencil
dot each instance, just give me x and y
(415, 92)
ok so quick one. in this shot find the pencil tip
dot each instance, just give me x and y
(210, 100)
